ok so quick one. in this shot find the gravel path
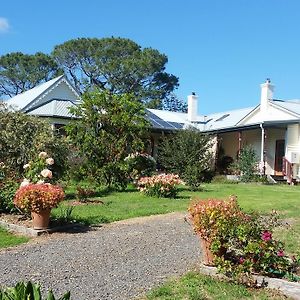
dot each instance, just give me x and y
(121, 260)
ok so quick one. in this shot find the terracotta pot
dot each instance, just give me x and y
(41, 219)
(208, 257)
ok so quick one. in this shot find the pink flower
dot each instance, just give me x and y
(46, 173)
(266, 235)
(280, 253)
(50, 161)
(241, 260)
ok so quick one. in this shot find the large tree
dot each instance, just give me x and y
(118, 65)
(20, 72)
(108, 128)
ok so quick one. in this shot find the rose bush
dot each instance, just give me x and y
(162, 185)
(38, 197)
(38, 170)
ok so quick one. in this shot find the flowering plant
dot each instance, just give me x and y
(38, 170)
(162, 185)
(140, 164)
(242, 243)
(211, 218)
(38, 197)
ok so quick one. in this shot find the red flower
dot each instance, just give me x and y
(266, 235)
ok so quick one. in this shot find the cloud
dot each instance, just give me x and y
(4, 26)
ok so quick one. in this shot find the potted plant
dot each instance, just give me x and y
(39, 199)
(212, 219)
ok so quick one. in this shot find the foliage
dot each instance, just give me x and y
(140, 164)
(8, 189)
(242, 243)
(22, 136)
(115, 64)
(20, 72)
(172, 103)
(27, 291)
(37, 197)
(83, 194)
(38, 170)
(187, 154)
(211, 218)
(162, 185)
(109, 127)
(247, 164)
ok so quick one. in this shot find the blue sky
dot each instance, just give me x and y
(221, 49)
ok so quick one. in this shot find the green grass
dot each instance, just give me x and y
(194, 286)
(8, 239)
(130, 203)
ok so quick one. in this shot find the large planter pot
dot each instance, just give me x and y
(208, 257)
(41, 219)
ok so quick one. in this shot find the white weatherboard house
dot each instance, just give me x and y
(272, 128)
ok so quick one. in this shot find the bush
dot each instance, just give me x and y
(8, 189)
(247, 164)
(163, 185)
(242, 243)
(186, 153)
(140, 164)
(22, 136)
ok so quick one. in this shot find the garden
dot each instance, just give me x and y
(102, 172)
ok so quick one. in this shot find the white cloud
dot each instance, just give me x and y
(4, 26)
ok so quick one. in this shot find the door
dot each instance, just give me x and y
(279, 154)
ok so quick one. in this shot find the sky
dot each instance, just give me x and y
(221, 49)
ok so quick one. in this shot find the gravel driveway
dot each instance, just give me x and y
(121, 260)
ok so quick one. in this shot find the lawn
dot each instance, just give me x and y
(197, 286)
(130, 203)
(8, 239)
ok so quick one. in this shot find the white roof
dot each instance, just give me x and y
(23, 99)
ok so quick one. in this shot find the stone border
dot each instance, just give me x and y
(290, 289)
(35, 232)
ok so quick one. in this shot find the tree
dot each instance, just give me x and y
(173, 103)
(23, 136)
(186, 153)
(20, 72)
(118, 65)
(109, 127)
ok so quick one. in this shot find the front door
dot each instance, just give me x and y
(279, 154)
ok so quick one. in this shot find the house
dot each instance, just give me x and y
(272, 127)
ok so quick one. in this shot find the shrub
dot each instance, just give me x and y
(22, 136)
(186, 153)
(163, 185)
(140, 164)
(8, 189)
(37, 197)
(247, 164)
(24, 291)
(242, 243)
(83, 194)
(38, 170)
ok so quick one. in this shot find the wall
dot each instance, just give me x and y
(229, 141)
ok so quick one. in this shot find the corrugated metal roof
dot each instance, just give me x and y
(54, 108)
(291, 105)
(25, 98)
